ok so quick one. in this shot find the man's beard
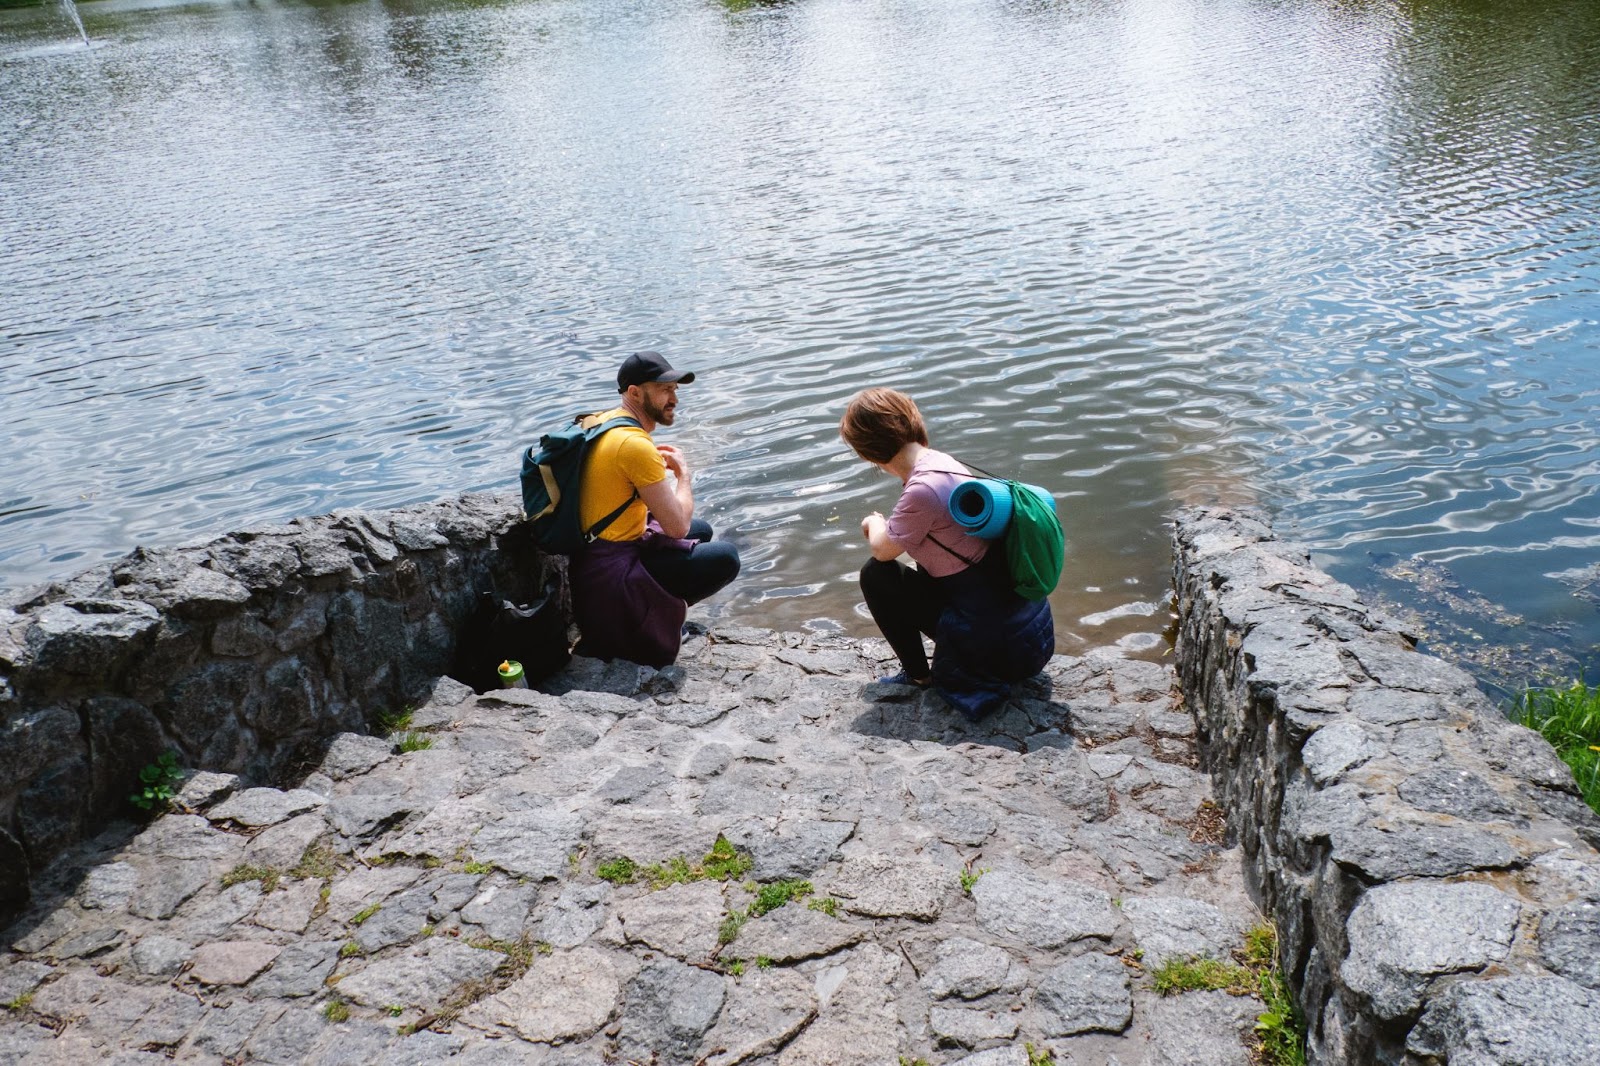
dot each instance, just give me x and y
(658, 412)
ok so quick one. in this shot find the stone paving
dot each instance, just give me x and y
(802, 866)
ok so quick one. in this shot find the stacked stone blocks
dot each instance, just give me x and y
(240, 654)
(1430, 865)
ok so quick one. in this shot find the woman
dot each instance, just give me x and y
(986, 637)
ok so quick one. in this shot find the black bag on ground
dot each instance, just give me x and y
(533, 634)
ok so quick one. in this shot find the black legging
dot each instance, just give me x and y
(906, 604)
(697, 573)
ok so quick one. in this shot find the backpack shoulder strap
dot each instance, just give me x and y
(591, 434)
(952, 551)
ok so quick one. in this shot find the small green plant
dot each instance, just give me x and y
(414, 741)
(476, 867)
(1260, 948)
(826, 904)
(970, 878)
(907, 1060)
(21, 1004)
(158, 783)
(351, 949)
(771, 897)
(366, 912)
(675, 871)
(317, 863)
(731, 926)
(736, 967)
(1202, 974)
(1280, 1028)
(240, 874)
(427, 931)
(1039, 1056)
(519, 954)
(763, 962)
(1569, 718)
(395, 1010)
(724, 862)
(336, 1010)
(394, 721)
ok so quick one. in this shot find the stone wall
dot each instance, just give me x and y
(240, 654)
(1430, 866)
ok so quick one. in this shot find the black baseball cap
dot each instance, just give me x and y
(641, 367)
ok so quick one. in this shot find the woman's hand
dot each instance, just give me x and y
(866, 525)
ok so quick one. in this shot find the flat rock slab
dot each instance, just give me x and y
(454, 891)
(884, 886)
(793, 933)
(231, 962)
(265, 806)
(1043, 912)
(564, 996)
(421, 977)
(682, 920)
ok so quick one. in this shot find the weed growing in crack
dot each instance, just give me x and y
(826, 904)
(242, 873)
(158, 783)
(770, 897)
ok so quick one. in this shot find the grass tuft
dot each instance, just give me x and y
(619, 871)
(1039, 1056)
(336, 1010)
(317, 863)
(242, 873)
(771, 897)
(826, 904)
(970, 878)
(1202, 974)
(1569, 718)
(366, 912)
(414, 741)
(21, 1004)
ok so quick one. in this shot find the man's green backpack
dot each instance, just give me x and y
(552, 472)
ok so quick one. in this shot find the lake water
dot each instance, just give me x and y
(1336, 257)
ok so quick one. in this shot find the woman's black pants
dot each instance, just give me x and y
(906, 604)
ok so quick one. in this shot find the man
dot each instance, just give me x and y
(633, 584)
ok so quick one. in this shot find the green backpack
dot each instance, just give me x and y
(1036, 547)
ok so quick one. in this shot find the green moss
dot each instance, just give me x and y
(336, 1010)
(619, 871)
(771, 897)
(240, 874)
(826, 904)
(475, 867)
(351, 949)
(318, 862)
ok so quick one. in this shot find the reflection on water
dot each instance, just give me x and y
(267, 259)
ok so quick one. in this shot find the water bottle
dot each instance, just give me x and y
(511, 675)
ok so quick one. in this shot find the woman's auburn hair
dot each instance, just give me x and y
(879, 422)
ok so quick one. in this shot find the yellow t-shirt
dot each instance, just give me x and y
(622, 460)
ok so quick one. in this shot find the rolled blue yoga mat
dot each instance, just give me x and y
(982, 508)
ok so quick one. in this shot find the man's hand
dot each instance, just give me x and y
(676, 463)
